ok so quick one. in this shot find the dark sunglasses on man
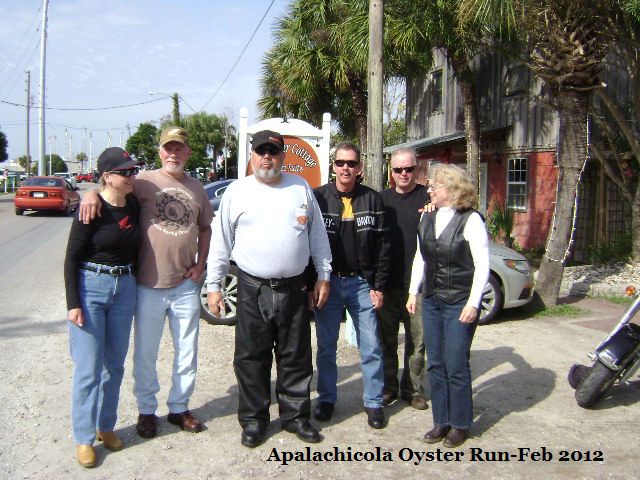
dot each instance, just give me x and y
(128, 172)
(404, 169)
(350, 163)
(270, 149)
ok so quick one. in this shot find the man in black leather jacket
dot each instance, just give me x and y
(354, 218)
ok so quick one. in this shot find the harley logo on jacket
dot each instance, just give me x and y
(302, 219)
(366, 220)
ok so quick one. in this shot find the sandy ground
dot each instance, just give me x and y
(527, 423)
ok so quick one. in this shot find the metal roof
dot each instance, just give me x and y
(452, 137)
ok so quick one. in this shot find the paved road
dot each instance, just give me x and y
(521, 398)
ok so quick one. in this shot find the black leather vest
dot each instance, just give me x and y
(447, 260)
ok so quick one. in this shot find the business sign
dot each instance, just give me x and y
(300, 158)
(306, 148)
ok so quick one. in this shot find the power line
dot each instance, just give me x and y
(29, 28)
(18, 78)
(240, 56)
(81, 109)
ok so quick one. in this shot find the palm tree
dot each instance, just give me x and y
(564, 38)
(319, 60)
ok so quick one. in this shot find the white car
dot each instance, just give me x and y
(510, 282)
(68, 177)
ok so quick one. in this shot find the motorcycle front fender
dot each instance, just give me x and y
(617, 351)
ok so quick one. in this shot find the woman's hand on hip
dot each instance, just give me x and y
(411, 303)
(75, 316)
(468, 314)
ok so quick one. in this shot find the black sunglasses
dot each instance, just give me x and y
(262, 149)
(403, 169)
(126, 173)
(350, 163)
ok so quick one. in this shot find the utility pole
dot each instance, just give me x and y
(28, 115)
(84, 150)
(373, 166)
(50, 142)
(176, 108)
(43, 57)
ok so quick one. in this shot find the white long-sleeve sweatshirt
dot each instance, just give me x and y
(270, 231)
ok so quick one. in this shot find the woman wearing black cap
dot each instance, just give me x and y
(101, 300)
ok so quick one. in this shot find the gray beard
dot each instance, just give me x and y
(267, 174)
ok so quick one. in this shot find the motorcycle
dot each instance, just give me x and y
(615, 359)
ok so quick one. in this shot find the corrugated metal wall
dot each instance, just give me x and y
(501, 104)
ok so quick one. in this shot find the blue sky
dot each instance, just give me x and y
(102, 54)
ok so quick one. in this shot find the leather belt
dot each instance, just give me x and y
(115, 271)
(347, 273)
(276, 283)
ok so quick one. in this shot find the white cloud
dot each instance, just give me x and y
(113, 53)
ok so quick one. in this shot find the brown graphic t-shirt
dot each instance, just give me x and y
(172, 211)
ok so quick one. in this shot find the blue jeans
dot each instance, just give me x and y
(181, 304)
(448, 343)
(352, 293)
(99, 349)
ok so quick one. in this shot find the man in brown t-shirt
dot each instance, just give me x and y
(175, 225)
(175, 218)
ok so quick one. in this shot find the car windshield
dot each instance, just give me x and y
(43, 182)
(216, 189)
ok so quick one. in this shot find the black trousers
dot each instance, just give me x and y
(272, 318)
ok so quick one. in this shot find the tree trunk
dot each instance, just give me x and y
(359, 99)
(472, 130)
(635, 227)
(572, 153)
(416, 106)
(375, 82)
(621, 119)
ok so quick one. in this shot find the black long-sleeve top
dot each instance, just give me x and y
(111, 239)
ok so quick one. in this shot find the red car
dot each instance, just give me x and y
(46, 193)
(85, 177)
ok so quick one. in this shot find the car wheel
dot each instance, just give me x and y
(492, 300)
(19, 211)
(67, 210)
(230, 297)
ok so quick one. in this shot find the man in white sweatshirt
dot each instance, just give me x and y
(270, 224)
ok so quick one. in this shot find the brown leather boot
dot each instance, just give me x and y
(111, 441)
(86, 455)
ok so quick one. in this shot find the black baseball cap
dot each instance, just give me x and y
(267, 137)
(115, 158)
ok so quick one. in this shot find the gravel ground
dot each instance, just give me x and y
(527, 424)
(610, 273)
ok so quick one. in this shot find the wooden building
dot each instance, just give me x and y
(519, 133)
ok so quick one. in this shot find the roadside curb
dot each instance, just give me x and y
(595, 290)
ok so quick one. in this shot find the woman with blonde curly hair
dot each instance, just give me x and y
(451, 266)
